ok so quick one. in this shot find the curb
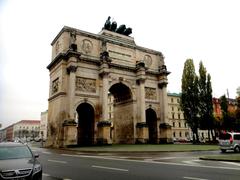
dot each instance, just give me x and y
(214, 159)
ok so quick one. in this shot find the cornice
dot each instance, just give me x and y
(56, 95)
(63, 56)
(113, 40)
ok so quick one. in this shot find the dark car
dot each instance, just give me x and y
(18, 162)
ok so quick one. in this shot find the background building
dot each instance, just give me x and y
(180, 129)
(26, 129)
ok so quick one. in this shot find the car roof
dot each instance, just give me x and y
(11, 144)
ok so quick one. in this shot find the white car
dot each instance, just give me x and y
(229, 141)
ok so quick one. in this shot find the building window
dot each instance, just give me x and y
(179, 116)
(179, 124)
(186, 134)
(172, 115)
(185, 125)
(178, 100)
(172, 108)
(172, 100)
(173, 124)
(180, 134)
(174, 134)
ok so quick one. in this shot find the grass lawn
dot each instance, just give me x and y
(148, 148)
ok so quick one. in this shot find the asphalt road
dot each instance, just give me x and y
(59, 164)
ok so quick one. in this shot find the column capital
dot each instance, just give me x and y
(72, 69)
(104, 57)
(163, 70)
(141, 81)
(162, 84)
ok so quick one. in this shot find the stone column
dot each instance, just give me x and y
(165, 135)
(71, 70)
(142, 100)
(105, 96)
(142, 127)
(104, 125)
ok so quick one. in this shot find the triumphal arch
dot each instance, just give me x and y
(105, 89)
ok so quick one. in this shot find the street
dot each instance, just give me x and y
(60, 164)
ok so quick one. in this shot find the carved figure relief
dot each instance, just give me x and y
(87, 46)
(147, 60)
(55, 86)
(85, 85)
(150, 93)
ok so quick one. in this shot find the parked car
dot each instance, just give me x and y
(18, 162)
(229, 141)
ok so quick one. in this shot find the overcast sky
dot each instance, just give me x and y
(206, 30)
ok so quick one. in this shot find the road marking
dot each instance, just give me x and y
(232, 163)
(63, 162)
(44, 174)
(45, 152)
(194, 178)
(110, 168)
(153, 162)
(192, 162)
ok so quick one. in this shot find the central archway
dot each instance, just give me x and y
(85, 124)
(122, 114)
(151, 119)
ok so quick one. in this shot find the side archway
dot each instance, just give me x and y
(85, 124)
(151, 120)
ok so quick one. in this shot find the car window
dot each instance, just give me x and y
(15, 152)
(224, 136)
(237, 136)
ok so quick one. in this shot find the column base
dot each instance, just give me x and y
(165, 134)
(70, 132)
(104, 130)
(142, 133)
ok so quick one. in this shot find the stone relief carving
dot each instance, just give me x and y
(150, 93)
(87, 46)
(85, 85)
(55, 86)
(147, 60)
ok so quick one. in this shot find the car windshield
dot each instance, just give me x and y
(15, 152)
(225, 136)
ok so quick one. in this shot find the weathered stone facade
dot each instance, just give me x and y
(85, 69)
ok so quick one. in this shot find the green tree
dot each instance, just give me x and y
(205, 101)
(238, 111)
(226, 124)
(189, 97)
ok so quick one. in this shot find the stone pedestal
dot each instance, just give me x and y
(165, 133)
(70, 132)
(104, 130)
(142, 133)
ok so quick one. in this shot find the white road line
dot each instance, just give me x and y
(192, 162)
(194, 178)
(232, 163)
(154, 162)
(63, 162)
(110, 168)
(45, 152)
(44, 174)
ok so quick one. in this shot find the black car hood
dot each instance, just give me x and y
(12, 164)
